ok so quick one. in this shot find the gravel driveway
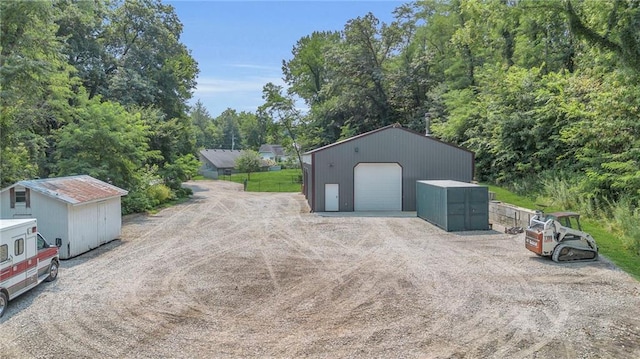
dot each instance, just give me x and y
(235, 274)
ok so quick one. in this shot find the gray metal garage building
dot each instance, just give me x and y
(378, 170)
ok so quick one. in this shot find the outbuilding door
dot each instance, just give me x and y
(377, 187)
(331, 197)
(102, 223)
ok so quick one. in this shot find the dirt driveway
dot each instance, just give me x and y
(235, 274)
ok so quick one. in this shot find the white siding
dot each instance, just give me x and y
(53, 220)
(114, 218)
(93, 224)
(83, 225)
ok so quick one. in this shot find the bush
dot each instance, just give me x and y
(159, 193)
(291, 162)
(627, 220)
(183, 192)
(136, 202)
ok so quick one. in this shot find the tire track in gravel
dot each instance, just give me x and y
(505, 335)
(256, 276)
(144, 245)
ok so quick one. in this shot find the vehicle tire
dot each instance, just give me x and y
(4, 302)
(53, 271)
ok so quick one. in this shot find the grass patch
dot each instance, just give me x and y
(609, 243)
(272, 181)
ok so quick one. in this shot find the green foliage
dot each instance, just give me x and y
(158, 194)
(207, 134)
(627, 222)
(97, 88)
(181, 170)
(104, 141)
(249, 161)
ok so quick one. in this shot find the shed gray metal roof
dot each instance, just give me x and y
(74, 189)
(221, 158)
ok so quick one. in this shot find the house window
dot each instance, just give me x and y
(20, 197)
(4, 252)
(19, 247)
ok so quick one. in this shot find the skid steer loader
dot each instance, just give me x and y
(560, 236)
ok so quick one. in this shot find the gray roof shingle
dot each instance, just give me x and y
(221, 158)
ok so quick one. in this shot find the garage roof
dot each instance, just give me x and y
(395, 125)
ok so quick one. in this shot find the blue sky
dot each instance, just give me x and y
(240, 45)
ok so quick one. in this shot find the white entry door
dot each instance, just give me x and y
(331, 197)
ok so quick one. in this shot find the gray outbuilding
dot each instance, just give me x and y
(378, 170)
(216, 163)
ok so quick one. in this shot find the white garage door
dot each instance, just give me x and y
(377, 187)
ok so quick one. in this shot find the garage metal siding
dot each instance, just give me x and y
(421, 158)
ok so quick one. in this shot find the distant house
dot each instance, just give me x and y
(272, 152)
(217, 163)
(78, 212)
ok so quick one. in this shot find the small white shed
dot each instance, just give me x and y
(78, 212)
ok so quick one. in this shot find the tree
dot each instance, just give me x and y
(104, 141)
(248, 161)
(129, 52)
(182, 169)
(282, 109)
(306, 73)
(35, 88)
(207, 134)
(228, 122)
(610, 25)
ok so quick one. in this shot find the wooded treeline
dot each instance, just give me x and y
(98, 88)
(545, 92)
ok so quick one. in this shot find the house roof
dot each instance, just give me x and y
(275, 149)
(395, 125)
(221, 158)
(73, 189)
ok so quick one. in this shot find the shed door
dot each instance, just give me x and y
(377, 187)
(331, 197)
(102, 223)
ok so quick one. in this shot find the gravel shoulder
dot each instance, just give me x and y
(237, 274)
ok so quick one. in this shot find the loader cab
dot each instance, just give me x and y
(568, 219)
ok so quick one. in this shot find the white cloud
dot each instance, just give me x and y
(210, 86)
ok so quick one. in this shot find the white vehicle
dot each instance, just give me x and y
(26, 259)
(560, 236)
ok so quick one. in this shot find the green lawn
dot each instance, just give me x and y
(272, 181)
(609, 243)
